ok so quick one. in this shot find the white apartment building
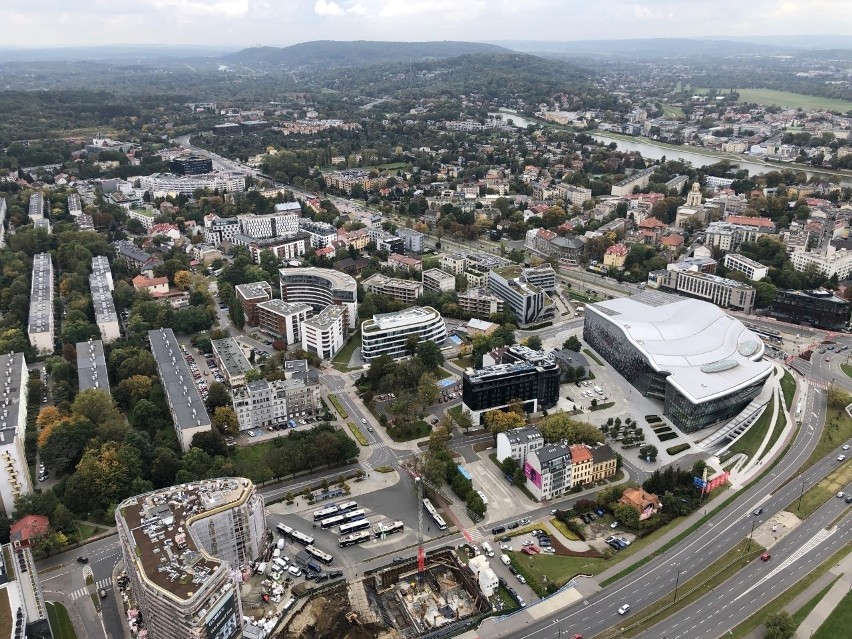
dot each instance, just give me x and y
(413, 239)
(75, 205)
(36, 208)
(218, 230)
(266, 226)
(321, 234)
(321, 287)
(15, 473)
(325, 333)
(518, 443)
(403, 290)
(438, 281)
(283, 319)
(262, 403)
(455, 263)
(100, 284)
(41, 325)
(231, 360)
(548, 471)
(145, 216)
(755, 271)
(188, 184)
(387, 333)
(829, 263)
(528, 302)
(728, 236)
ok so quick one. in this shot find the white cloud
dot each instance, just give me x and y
(325, 8)
(221, 8)
(357, 9)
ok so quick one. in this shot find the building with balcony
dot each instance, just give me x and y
(438, 281)
(404, 290)
(249, 296)
(289, 247)
(182, 546)
(319, 288)
(40, 328)
(528, 302)
(16, 479)
(518, 443)
(413, 240)
(702, 363)
(387, 333)
(755, 271)
(549, 471)
(262, 403)
(320, 233)
(187, 409)
(480, 302)
(283, 319)
(325, 332)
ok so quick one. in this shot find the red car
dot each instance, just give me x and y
(577, 636)
(765, 556)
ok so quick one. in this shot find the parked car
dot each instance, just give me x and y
(521, 578)
(600, 512)
(614, 525)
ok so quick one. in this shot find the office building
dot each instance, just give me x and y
(413, 240)
(549, 471)
(267, 226)
(290, 247)
(231, 360)
(718, 290)
(544, 277)
(480, 302)
(528, 302)
(91, 366)
(16, 479)
(387, 333)
(325, 332)
(517, 373)
(36, 209)
(262, 403)
(187, 184)
(518, 443)
(283, 319)
(249, 296)
(321, 287)
(403, 290)
(830, 262)
(100, 284)
(185, 404)
(438, 281)
(41, 325)
(702, 363)
(182, 546)
(755, 271)
(219, 230)
(820, 309)
(191, 165)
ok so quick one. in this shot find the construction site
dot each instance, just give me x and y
(396, 601)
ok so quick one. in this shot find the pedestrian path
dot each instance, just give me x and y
(105, 583)
(817, 383)
(473, 536)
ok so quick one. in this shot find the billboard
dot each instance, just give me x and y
(223, 622)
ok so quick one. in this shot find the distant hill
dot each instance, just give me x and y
(328, 54)
(645, 48)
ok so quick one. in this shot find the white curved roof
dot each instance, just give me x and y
(695, 341)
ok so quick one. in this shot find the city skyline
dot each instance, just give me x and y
(43, 24)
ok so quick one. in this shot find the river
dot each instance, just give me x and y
(652, 151)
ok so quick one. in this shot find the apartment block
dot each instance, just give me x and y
(518, 443)
(75, 205)
(92, 366)
(639, 180)
(325, 333)
(754, 271)
(262, 403)
(101, 285)
(272, 225)
(40, 328)
(480, 302)
(321, 287)
(289, 247)
(189, 414)
(403, 290)
(15, 473)
(249, 296)
(36, 208)
(320, 233)
(529, 303)
(231, 360)
(455, 263)
(387, 333)
(412, 239)
(549, 471)
(282, 319)
(438, 281)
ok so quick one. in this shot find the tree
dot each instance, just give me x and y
(779, 625)
(509, 466)
(131, 389)
(499, 421)
(145, 415)
(475, 504)
(572, 344)
(211, 442)
(183, 280)
(96, 405)
(560, 426)
(626, 515)
(534, 343)
(648, 451)
(463, 420)
(225, 420)
(217, 395)
(411, 344)
(427, 390)
(429, 353)
(253, 375)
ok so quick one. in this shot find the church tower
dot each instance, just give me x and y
(693, 198)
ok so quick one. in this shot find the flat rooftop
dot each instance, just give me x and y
(383, 280)
(159, 523)
(707, 352)
(406, 317)
(102, 301)
(41, 295)
(11, 366)
(281, 307)
(91, 365)
(326, 317)
(178, 383)
(231, 356)
(335, 279)
(254, 290)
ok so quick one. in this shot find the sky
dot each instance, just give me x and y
(243, 23)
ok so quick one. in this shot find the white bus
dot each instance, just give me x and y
(352, 526)
(439, 521)
(325, 524)
(303, 539)
(284, 530)
(346, 506)
(354, 538)
(388, 529)
(355, 514)
(325, 513)
(318, 554)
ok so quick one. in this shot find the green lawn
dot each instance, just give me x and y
(359, 436)
(840, 618)
(417, 430)
(672, 112)
(86, 530)
(780, 425)
(338, 406)
(802, 613)
(753, 437)
(788, 99)
(788, 387)
(847, 368)
(593, 357)
(341, 360)
(837, 430)
(463, 362)
(823, 490)
(60, 622)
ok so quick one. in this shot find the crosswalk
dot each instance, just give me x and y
(472, 536)
(105, 583)
(816, 383)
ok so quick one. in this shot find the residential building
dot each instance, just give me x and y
(638, 180)
(755, 271)
(518, 443)
(204, 254)
(438, 281)
(41, 326)
(16, 479)
(512, 373)
(276, 224)
(290, 247)
(387, 333)
(568, 249)
(615, 256)
(345, 180)
(604, 462)
(581, 465)
(644, 503)
(542, 276)
(410, 264)
(231, 360)
(319, 288)
(219, 230)
(412, 239)
(181, 547)
(145, 216)
(718, 290)
(262, 403)
(703, 364)
(44, 225)
(152, 285)
(91, 366)
(820, 309)
(249, 296)
(185, 184)
(84, 223)
(529, 303)
(480, 302)
(27, 530)
(728, 236)
(134, 257)
(191, 165)
(403, 290)
(476, 327)
(320, 233)
(75, 205)
(351, 266)
(548, 471)
(454, 263)
(572, 195)
(325, 332)
(829, 262)
(36, 208)
(100, 284)
(282, 319)
(184, 401)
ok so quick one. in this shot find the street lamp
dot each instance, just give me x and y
(802, 494)
(753, 524)
(677, 581)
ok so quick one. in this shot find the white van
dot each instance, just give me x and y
(281, 563)
(598, 390)
(276, 553)
(482, 497)
(261, 568)
(505, 559)
(486, 548)
(295, 571)
(280, 544)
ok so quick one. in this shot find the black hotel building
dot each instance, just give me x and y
(820, 309)
(191, 165)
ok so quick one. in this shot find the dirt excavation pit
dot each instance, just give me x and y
(331, 617)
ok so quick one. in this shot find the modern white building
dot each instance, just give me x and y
(542, 276)
(284, 320)
(387, 333)
(143, 215)
(548, 471)
(828, 263)
(40, 328)
(266, 226)
(325, 332)
(518, 443)
(321, 233)
(101, 286)
(529, 303)
(321, 287)
(218, 230)
(755, 271)
(438, 281)
(231, 360)
(188, 184)
(413, 239)
(262, 403)
(403, 290)
(15, 473)
(189, 414)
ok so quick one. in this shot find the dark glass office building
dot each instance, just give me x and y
(191, 165)
(820, 309)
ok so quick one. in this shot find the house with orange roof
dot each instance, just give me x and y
(644, 503)
(24, 531)
(581, 465)
(615, 256)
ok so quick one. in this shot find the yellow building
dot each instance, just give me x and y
(615, 256)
